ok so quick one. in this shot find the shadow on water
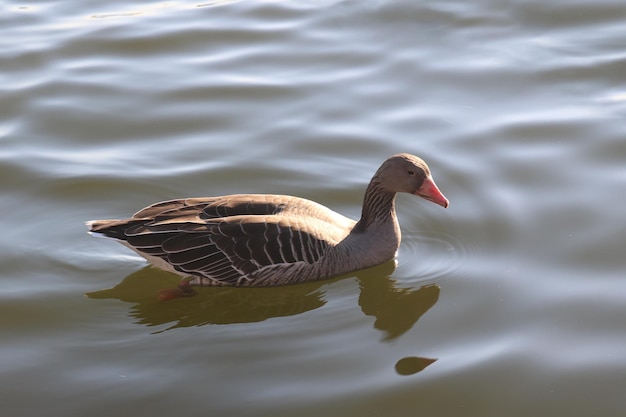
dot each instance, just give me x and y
(394, 309)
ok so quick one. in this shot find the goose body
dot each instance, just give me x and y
(262, 239)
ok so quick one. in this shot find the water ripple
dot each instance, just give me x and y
(431, 254)
(517, 106)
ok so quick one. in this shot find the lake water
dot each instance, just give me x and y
(512, 302)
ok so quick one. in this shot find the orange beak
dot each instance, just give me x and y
(430, 192)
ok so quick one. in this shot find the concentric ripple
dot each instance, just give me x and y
(429, 255)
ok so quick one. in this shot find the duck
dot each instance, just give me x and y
(258, 240)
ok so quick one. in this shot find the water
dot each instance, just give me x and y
(510, 302)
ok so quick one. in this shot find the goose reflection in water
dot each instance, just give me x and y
(394, 309)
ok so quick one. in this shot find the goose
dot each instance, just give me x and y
(264, 240)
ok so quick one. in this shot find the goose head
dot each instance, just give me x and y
(406, 173)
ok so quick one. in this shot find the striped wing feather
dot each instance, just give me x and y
(229, 248)
(230, 238)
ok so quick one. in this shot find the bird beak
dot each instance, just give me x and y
(430, 192)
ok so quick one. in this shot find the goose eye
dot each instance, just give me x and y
(411, 172)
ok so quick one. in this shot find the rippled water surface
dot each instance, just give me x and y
(512, 302)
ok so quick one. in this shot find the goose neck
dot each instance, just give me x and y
(378, 207)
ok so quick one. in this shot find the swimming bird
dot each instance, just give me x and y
(265, 239)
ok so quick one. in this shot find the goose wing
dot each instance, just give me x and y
(227, 250)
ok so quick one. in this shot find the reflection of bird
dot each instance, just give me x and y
(396, 309)
(217, 305)
(261, 240)
(413, 364)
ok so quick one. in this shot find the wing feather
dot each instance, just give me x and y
(227, 239)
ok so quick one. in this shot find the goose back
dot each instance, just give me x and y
(233, 240)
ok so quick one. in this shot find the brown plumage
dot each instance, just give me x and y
(261, 240)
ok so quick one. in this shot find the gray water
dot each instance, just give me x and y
(511, 302)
